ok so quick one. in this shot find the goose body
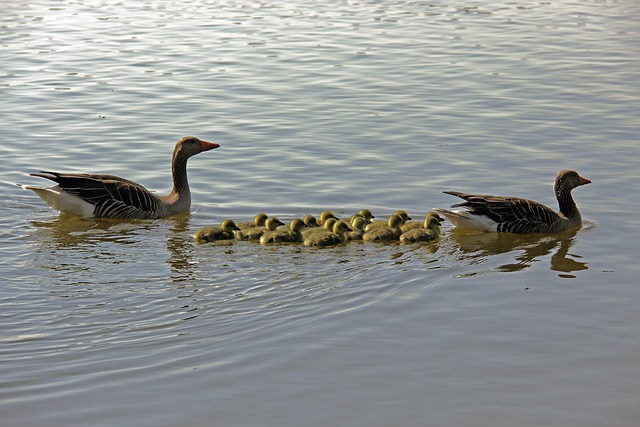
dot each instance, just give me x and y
(430, 230)
(109, 196)
(357, 226)
(213, 233)
(404, 216)
(517, 215)
(329, 238)
(293, 234)
(327, 225)
(255, 233)
(387, 233)
(258, 221)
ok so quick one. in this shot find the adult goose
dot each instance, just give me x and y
(516, 215)
(108, 196)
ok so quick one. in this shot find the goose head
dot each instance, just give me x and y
(403, 215)
(326, 215)
(328, 224)
(568, 180)
(260, 219)
(359, 223)
(310, 221)
(395, 221)
(341, 227)
(366, 213)
(229, 225)
(190, 146)
(272, 223)
(432, 221)
(297, 225)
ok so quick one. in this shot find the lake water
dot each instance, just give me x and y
(321, 105)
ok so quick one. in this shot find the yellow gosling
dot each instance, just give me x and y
(329, 238)
(293, 234)
(213, 233)
(429, 231)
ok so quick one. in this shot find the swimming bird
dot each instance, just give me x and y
(325, 216)
(310, 221)
(258, 221)
(517, 215)
(389, 233)
(430, 230)
(381, 224)
(293, 234)
(255, 233)
(329, 238)
(326, 226)
(357, 228)
(109, 196)
(366, 213)
(213, 233)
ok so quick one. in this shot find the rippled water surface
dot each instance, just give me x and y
(320, 105)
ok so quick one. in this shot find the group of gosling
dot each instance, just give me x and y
(328, 230)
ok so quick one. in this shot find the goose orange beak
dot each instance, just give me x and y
(206, 146)
(584, 181)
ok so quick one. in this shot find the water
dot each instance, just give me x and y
(320, 105)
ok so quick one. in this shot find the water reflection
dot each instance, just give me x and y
(65, 231)
(528, 249)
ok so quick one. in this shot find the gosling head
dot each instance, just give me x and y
(297, 225)
(272, 223)
(229, 225)
(260, 219)
(366, 213)
(358, 223)
(328, 224)
(395, 221)
(341, 227)
(326, 215)
(403, 214)
(310, 221)
(432, 221)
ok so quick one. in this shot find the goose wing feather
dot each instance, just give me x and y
(512, 214)
(110, 194)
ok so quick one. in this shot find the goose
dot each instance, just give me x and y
(366, 213)
(429, 231)
(517, 215)
(325, 216)
(326, 226)
(382, 224)
(108, 196)
(211, 234)
(417, 224)
(310, 221)
(293, 234)
(255, 233)
(389, 233)
(258, 221)
(357, 227)
(329, 238)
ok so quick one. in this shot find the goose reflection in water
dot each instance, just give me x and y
(530, 249)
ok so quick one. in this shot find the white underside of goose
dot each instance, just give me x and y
(62, 201)
(464, 220)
